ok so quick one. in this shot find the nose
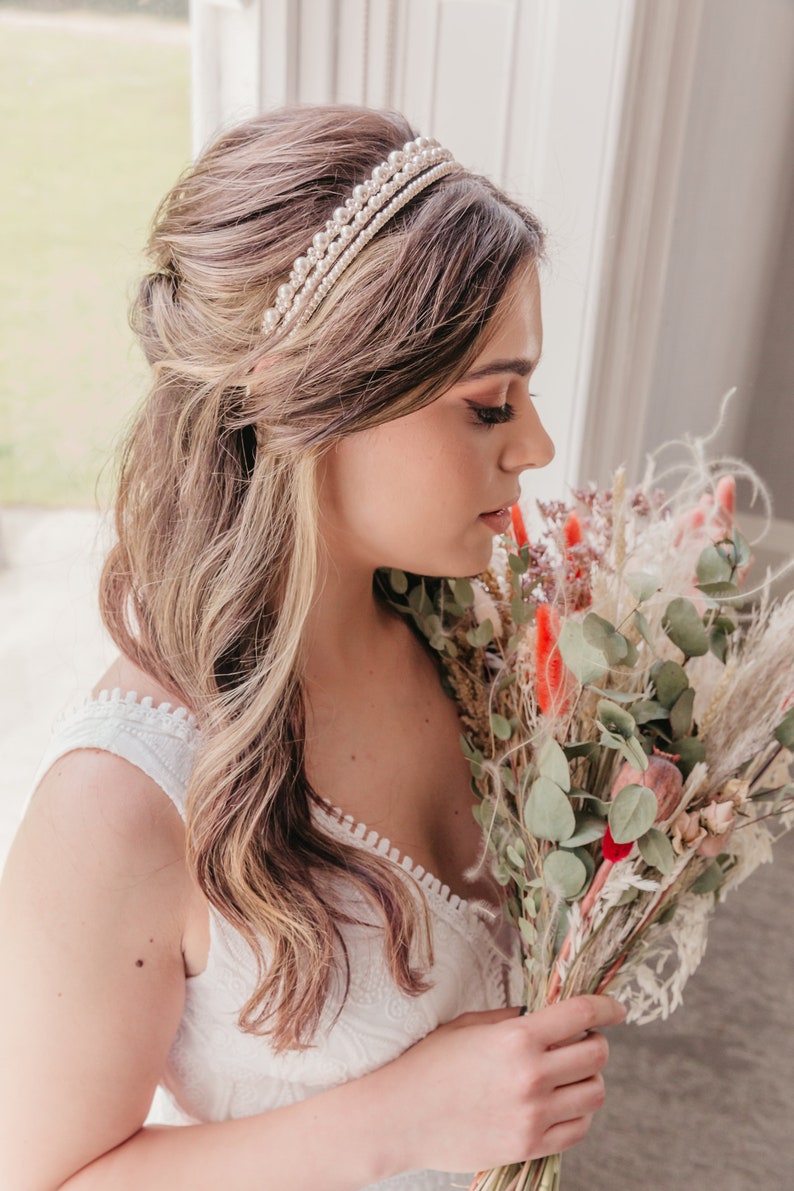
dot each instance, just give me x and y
(528, 444)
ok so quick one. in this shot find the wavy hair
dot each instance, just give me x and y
(216, 561)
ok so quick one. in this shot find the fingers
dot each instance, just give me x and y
(578, 1099)
(578, 1060)
(566, 1020)
(565, 1134)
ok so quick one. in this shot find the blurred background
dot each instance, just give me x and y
(655, 139)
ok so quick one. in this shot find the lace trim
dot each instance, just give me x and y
(143, 709)
(479, 912)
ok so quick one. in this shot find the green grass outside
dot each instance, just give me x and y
(95, 130)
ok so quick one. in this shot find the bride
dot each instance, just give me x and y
(240, 880)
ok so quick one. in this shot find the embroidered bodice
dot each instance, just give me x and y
(214, 1071)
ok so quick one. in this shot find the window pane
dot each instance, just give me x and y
(94, 107)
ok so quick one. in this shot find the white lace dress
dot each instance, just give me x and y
(214, 1071)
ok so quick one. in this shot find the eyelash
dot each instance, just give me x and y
(494, 415)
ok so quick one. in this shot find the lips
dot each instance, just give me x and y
(498, 520)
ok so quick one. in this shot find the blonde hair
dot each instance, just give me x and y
(215, 566)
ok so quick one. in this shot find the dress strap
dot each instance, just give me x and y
(159, 740)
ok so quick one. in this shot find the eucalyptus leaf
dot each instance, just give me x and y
(518, 565)
(684, 627)
(588, 829)
(508, 780)
(482, 635)
(710, 879)
(548, 813)
(451, 608)
(598, 804)
(514, 858)
(628, 896)
(722, 593)
(741, 549)
(597, 630)
(584, 748)
(670, 681)
(631, 654)
(690, 750)
(656, 850)
(500, 726)
(642, 627)
(784, 732)
(616, 649)
(551, 763)
(718, 644)
(633, 811)
(647, 710)
(628, 747)
(464, 593)
(634, 753)
(420, 601)
(616, 719)
(521, 611)
(589, 863)
(714, 566)
(564, 873)
(642, 585)
(681, 713)
(584, 661)
(398, 581)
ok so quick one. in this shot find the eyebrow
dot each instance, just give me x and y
(520, 367)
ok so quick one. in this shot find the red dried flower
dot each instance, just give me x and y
(613, 851)
(572, 529)
(548, 660)
(519, 529)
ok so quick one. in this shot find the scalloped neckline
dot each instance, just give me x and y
(132, 699)
(379, 843)
(360, 831)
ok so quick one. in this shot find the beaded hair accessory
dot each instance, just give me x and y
(393, 183)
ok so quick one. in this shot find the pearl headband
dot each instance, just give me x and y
(393, 183)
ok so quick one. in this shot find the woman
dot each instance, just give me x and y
(193, 898)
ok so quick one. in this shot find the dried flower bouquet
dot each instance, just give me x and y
(628, 717)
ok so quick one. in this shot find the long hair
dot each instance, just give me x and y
(216, 562)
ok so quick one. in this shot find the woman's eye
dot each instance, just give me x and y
(493, 415)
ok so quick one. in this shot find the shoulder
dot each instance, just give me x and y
(99, 809)
(93, 902)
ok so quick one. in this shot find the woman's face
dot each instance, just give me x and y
(426, 492)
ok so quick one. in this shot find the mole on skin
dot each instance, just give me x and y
(139, 963)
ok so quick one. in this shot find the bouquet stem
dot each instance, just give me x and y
(536, 1174)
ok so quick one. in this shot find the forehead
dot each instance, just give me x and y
(516, 332)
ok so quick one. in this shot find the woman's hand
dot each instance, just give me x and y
(492, 1088)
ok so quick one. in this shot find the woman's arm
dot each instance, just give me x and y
(95, 884)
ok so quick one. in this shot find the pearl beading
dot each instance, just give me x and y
(392, 184)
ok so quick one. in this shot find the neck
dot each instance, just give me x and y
(349, 627)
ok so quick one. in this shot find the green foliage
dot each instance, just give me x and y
(632, 813)
(670, 681)
(656, 850)
(548, 813)
(564, 873)
(642, 585)
(684, 627)
(584, 660)
(552, 763)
